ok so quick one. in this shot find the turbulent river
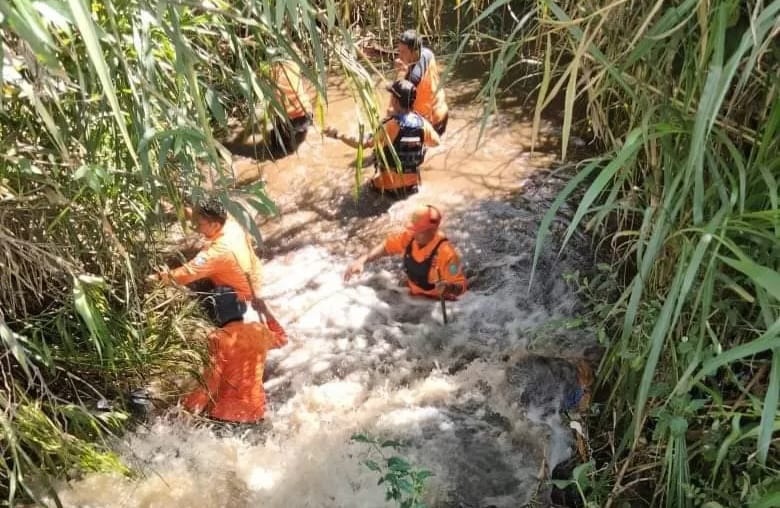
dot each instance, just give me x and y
(365, 357)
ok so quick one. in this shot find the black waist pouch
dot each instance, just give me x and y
(221, 304)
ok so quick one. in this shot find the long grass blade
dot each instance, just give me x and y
(663, 324)
(769, 413)
(623, 156)
(87, 29)
(768, 340)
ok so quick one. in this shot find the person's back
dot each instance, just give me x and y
(402, 141)
(419, 66)
(291, 89)
(229, 260)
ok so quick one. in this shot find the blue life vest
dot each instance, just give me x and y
(409, 144)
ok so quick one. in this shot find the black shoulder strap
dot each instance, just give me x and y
(433, 252)
(436, 249)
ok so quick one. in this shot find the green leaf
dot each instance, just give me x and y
(12, 343)
(770, 410)
(562, 484)
(423, 475)
(581, 472)
(760, 275)
(91, 316)
(398, 464)
(768, 500)
(768, 340)
(678, 426)
(48, 120)
(243, 217)
(628, 151)
(215, 107)
(662, 325)
(372, 465)
(405, 486)
(552, 211)
(27, 24)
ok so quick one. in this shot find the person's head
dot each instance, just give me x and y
(403, 94)
(209, 216)
(409, 46)
(424, 223)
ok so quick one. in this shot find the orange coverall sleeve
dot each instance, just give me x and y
(395, 245)
(449, 268)
(431, 137)
(205, 264)
(270, 336)
(386, 134)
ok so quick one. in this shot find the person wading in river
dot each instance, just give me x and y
(290, 131)
(233, 381)
(417, 64)
(431, 264)
(400, 143)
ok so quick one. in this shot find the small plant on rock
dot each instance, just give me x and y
(403, 482)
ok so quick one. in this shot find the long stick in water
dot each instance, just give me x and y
(441, 299)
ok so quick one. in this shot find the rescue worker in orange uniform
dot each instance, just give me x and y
(233, 382)
(431, 263)
(290, 131)
(400, 144)
(417, 64)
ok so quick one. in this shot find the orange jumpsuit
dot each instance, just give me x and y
(228, 260)
(438, 258)
(430, 102)
(233, 383)
(233, 388)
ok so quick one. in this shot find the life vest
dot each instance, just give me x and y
(430, 101)
(418, 271)
(408, 144)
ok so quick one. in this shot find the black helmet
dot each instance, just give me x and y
(405, 91)
(411, 39)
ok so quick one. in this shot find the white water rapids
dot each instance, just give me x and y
(366, 357)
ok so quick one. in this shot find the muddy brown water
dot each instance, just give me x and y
(365, 357)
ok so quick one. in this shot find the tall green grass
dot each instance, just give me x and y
(683, 100)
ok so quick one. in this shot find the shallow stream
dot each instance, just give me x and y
(366, 357)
